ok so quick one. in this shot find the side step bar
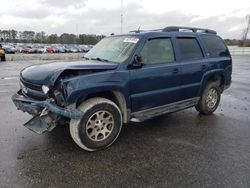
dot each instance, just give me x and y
(165, 109)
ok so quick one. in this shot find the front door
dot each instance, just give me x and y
(157, 82)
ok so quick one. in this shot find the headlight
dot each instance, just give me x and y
(45, 89)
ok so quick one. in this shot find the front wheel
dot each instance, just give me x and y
(210, 99)
(100, 125)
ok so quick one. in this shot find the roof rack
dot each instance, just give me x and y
(193, 29)
(178, 29)
(139, 31)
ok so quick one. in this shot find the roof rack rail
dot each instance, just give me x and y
(178, 29)
(139, 31)
(193, 29)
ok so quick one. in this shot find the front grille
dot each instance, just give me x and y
(31, 90)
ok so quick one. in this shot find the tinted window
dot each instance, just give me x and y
(189, 49)
(157, 51)
(215, 46)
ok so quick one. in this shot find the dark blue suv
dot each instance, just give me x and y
(130, 77)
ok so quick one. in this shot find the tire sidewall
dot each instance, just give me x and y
(82, 133)
(204, 96)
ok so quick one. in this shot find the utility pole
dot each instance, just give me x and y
(121, 15)
(77, 30)
(245, 32)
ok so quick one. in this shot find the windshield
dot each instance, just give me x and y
(114, 49)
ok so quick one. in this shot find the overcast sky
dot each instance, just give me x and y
(228, 18)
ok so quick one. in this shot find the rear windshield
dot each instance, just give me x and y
(215, 46)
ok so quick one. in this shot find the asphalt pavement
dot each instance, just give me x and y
(182, 149)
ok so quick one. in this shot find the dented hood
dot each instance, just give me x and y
(47, 74)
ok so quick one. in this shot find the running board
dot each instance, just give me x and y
(165, 109)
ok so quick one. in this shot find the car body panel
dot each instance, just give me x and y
(162, 88)
(158, 82)
(47, 74)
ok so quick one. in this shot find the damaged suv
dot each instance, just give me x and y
(130, 77)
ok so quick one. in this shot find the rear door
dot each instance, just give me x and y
(157, 82)
(193, 65)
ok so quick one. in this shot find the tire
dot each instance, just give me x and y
(100, 125)
(210, 99)
(3, 58)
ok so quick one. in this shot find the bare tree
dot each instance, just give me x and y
(246, 30)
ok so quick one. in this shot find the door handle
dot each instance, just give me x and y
(175, 71)
(204, 67)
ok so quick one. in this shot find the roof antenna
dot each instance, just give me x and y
(138, 31)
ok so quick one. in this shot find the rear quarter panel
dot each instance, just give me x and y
(221, 66)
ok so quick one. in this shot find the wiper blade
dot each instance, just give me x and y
(99, 59)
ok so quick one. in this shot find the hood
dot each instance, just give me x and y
(47, 74)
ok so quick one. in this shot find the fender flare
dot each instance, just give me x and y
(208, 75)
(120, 93)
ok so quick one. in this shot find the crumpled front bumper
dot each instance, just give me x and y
(44, 112)
(35, 107)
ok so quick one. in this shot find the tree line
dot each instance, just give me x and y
(66, 38)
(237, 42)
(41, 37)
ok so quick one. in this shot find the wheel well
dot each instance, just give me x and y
(218, 78)
(115, 96)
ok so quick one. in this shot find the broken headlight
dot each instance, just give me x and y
(45, 89)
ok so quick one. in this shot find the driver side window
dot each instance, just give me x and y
(158, 50)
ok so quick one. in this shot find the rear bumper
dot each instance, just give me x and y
(35, 107)
(228, 85)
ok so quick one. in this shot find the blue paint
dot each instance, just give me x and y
(149, 86)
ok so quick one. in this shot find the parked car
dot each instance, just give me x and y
(50, 50)
(27, 50)
(2, 54)
(130, 77)
(73, 50)
(84, 48)
(38, 48)
(61, 49)
(9, 49)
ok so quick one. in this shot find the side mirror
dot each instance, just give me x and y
(137, 61)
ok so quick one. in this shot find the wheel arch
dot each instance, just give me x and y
(214, 76)
(115, 96)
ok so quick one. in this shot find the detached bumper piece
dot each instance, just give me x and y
(41, 124)
(45, 113)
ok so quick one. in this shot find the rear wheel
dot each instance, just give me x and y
(210, 99)
(100, 125)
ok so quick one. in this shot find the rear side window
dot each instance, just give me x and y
(158, 50)
(215, 46)
(189, 49)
